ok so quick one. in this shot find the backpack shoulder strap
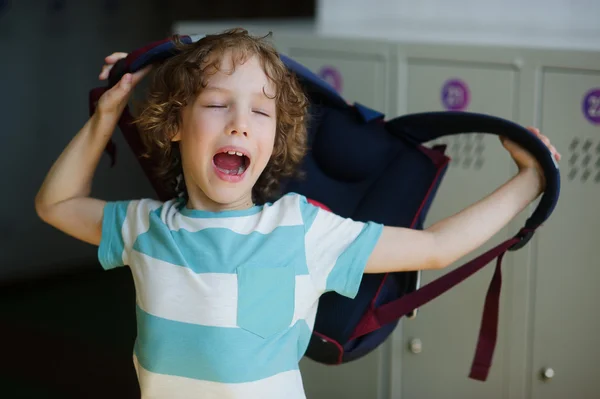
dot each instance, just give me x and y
(427, 126)
(423, 127)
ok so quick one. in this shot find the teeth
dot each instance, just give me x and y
(239, 171)
(239, 154)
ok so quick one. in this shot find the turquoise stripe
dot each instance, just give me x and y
(346, 276)
(112, 246)
(220, 250)
(309, 212)
(226, 355)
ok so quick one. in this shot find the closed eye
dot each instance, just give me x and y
(261, 113)
(215, 106)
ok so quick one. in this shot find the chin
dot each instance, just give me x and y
(228, 196)
(228, 193)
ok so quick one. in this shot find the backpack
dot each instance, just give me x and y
(363, 166)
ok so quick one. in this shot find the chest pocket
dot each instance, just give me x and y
(265, 298)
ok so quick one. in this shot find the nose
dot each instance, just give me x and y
(239, 124)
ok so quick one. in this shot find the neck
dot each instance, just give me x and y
(200, 201)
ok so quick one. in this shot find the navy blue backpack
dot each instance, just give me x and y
(354, 154)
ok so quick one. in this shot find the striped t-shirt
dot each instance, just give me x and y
(226, 301)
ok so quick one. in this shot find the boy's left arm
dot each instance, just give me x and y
(403, 249)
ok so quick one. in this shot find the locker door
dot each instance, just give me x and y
(357, 72)
(437, 346)
(566, 326)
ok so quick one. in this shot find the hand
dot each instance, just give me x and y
(114, 100)
(524, 160)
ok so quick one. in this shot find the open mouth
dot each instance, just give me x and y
(231, 162)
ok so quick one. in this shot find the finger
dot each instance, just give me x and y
(139, 75)
(557, 155)
(114, 57)
(120, 90)
(125, 83)
(115, 99)
(104, 72)
(545, 140)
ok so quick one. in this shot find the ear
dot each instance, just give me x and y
(176, 137)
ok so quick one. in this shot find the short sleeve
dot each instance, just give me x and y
(337, 248)
(122, 222)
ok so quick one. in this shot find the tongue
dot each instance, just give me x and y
(228, 162)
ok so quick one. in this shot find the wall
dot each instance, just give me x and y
(52, 54)
(563, 23)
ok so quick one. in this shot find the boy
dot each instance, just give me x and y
(228, 284)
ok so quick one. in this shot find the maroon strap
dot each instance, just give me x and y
(394, 310)
(488, 332)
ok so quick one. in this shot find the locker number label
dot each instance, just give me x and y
(591, 106)
(455, 95)
(332, 76)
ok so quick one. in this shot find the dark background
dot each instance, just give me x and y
(66, 327)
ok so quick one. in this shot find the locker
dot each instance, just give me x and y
(438, 345)
(565, 323)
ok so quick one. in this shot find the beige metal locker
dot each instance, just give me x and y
(438, 345)
(565, 352)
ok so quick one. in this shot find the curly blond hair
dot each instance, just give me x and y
(178, 80)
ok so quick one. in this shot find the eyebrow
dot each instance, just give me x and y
(261, 94)
(216, 88)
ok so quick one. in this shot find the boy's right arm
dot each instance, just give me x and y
(64, 199)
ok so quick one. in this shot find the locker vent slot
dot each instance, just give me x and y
(466, 151)
(584, 160)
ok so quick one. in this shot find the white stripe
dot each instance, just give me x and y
(285, 212)
(287, 385)
(328, 237)
(137, 221)
(209, 299)
(306, 301)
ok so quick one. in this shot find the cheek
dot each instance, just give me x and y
(267, 141)
(198, 133)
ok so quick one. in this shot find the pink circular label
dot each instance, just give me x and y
(455, 95)
(591, 106)
(332, 76)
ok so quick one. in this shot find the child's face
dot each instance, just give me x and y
(233, 115)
